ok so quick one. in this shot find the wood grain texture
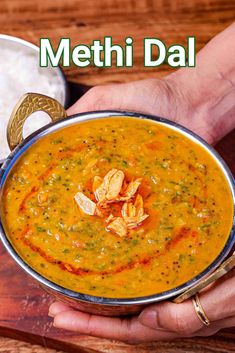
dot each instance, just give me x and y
(12, 346)
(83, 21)
(23, 305)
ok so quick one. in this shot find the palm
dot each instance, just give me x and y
(163, 98)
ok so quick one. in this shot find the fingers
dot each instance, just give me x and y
(215, 327)
(92, 325)
(148, 96)
(57, 307)
(217, 302)
(129, 330)
(161, 321)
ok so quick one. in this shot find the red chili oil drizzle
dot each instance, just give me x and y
(182, 233)
(28, 196)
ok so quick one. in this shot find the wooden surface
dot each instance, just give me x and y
(86, 20)
(83, 21)
(8, 345)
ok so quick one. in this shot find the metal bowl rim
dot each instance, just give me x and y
(76, 119)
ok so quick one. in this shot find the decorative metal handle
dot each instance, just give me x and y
(226, 266)
(27, 105)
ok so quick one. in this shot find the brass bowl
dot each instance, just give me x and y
(100, 305)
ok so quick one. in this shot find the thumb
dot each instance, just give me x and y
(179, 318)
(147, 96)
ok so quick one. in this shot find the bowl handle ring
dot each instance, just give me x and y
(223, 269)
(27, 105)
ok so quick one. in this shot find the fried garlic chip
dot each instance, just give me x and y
(111, 186)
(133, 214)
(85, 204)
(118, 226)
(131, 190)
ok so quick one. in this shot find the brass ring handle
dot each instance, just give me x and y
(226, 266)
(28, 104)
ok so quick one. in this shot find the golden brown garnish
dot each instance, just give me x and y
(110, 187)
(133, 214)
(85, 204)
(131, 189)
(115, 185)
(118, 226)
(110, 218)
(114, 188)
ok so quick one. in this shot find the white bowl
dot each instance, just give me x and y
(56, 76)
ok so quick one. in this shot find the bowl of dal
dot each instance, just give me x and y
(110, 211)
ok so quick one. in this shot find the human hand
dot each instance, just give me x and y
(162, 97)
(201, 99)
(162, 321)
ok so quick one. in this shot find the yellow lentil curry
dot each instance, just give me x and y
(181, 190)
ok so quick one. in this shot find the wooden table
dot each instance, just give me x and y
(84, 21)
